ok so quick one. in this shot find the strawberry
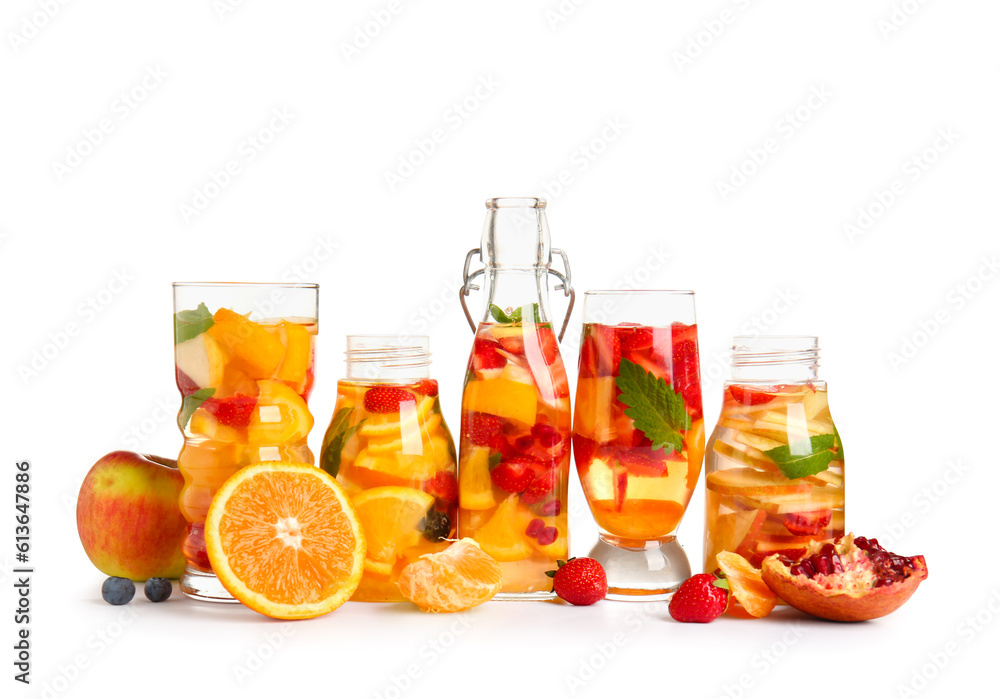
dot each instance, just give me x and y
(484, 429)
(632, 336)
(601, 352)
(233, 411)
(386, 399)
(579, 581)
(486, 355)
(443, 486)
(548, 343)
(513, 344)
(700, 599)
(513, 476)
(752, 395)
(427, 387)
(542, 484)
(685, 371)
(584, 450)
(643, 461)
(807, 523)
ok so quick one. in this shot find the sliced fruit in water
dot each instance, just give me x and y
(502, 537)
(475, 487)
(751, 482)
(202, 360)
(280, 415)
(391, 517)
(503, 398)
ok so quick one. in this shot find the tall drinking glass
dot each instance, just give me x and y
(638, 434)
(243, 356)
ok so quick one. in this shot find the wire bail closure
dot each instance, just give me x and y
(565, 285)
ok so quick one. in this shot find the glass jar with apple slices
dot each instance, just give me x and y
(389, 447)
(774, 466)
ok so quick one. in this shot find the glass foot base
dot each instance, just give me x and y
(641, 571)
(205, 587)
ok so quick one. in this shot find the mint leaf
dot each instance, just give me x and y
(495, 459)
(653, 405)
(840, 445)
(337, 436)
(191, 403)
(188, 324)
(515, 316)
(500, 316)
(801, 465)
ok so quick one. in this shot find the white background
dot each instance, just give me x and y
(694, 90)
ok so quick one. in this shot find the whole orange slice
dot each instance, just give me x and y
(746, 585)
(458, 578)
(285, 541)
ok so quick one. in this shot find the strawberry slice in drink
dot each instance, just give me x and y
(684, 367)
(751, 395)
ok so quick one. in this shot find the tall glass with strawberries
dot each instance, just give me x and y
(243, 356)
(515, 437)
(638, 434)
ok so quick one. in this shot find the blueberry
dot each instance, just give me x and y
(118, 590)
(158, 589)
(437, 526)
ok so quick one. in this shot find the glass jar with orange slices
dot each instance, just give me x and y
(774, 468)
(243, 356)
(390, 449)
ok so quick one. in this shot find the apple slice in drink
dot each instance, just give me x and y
(732, 530)
(808, 500)
(202, 359)
(749, 482)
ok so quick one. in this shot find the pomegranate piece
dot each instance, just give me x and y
(855, 579)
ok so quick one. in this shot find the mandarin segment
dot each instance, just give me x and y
(458, 578)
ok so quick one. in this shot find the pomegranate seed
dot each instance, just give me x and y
(547, 536)
(547, 435)
(828, 550)
(534, 527)
(523, 444)
(798, 569)
(550, 508)
(823, 564)
(838, 566)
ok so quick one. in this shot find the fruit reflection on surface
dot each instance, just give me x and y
(390, 449)
(775, 473)
(638, 431)
(514, 451)
(244, 386)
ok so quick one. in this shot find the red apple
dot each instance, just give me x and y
(128, 516)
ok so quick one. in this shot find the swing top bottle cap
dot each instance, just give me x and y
(516, 234)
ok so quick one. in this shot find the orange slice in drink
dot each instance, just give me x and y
(458, 578)
(475, 487)
(280, 416)
(284, 540)
(252, 346)
(391, 517)
(746, 585)
(502, 536)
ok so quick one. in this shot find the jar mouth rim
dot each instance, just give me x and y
(515, 202)
(266, 285)
(637, 292)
